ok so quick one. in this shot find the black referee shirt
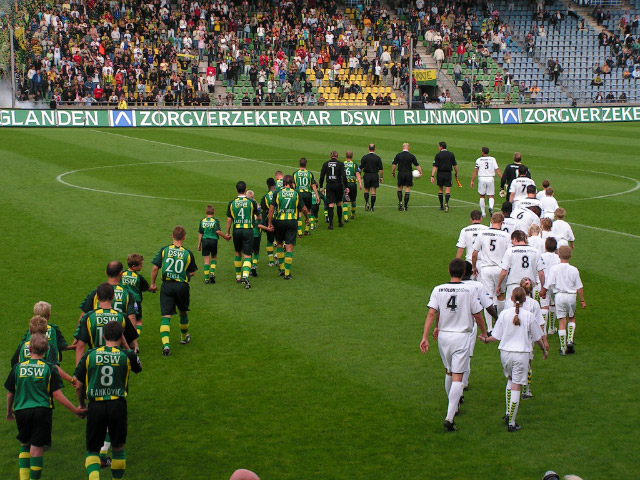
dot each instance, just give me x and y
(333, 170)
(404, 160)
(510, 174)
(371, 163)
(444, 161)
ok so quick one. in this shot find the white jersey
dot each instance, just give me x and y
(563, 278)
(492, 243)
(541, 194)
(481, 292)
(509, 225)
(456, 303)
(550, 259)
(526, 202)
(487, 167)
(516, 338)
(549, 206)
(561, 230)
(467, 238)
(522, 261)
(530, 305)
(524, 218)
(537, 243)
(519, 187)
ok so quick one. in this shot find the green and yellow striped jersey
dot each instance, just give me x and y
(23, 353)
(135, 283)
(57, 342)
(303, 179)
(123, 301)
(105, 373)
(242, 211)
(209, 228)
(286, 204)
(350, 170)
(33, 382)
(175, 263)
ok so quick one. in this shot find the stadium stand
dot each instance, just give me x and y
(320, 53)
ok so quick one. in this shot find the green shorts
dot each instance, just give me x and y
(174, 295)
(210, 247)
(286, 231)
(243, 241)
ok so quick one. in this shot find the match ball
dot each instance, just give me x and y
(503, 194)
(416, 173)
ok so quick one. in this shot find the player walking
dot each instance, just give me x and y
(547, 304)
(518, 187)
(511, 173)
(372, 169)
(453, 307)
(404, 162)
(103, 378)
(468, 236)
(176, 265)
(304, 182)
(283, 212)
(352, 172)
(486, 169)
(491, 244)
(564, 281)
(136, 283)
(333, 171)
(265, 203)
(241, 213)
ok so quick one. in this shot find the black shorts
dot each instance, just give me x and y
(315, 209)
(243, 241)
(353, 191)
(111, 416)
(34, 426)
(306, 199)
(371, 180)
(334, 193)
(405, 179)
(271, 237)
(444, 179)
(256, 244)
(286, 231)
(172, 295)
(209, 247)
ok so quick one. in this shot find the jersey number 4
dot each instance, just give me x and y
(451, 303)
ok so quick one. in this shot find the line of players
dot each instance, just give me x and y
(506, 273)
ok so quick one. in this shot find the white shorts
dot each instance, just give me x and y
(486, 187)
(565, 305)
(515, 365)
(454, 351)
(489, 278)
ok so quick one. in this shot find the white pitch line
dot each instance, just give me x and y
(59, 178)
(251, 160)
(601, 173)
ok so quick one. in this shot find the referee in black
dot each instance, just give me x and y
(444, 162)
(404, 161)
(511, 173)
(333, 170)
(371, 166)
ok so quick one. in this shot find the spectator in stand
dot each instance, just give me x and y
(533, 93)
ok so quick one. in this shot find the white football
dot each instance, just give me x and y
(416, 174)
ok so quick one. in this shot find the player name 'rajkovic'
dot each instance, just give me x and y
(107, 358)
(106, 392)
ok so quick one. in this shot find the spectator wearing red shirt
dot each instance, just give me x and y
(461, 51)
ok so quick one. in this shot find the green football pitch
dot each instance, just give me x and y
(321, 377)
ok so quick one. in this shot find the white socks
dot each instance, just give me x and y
(545, 316)
(513, 407)
(465, 377)
(454, 398)
(562, 334)
(481, 202)
(491, 203)
(571, 330)
(500, 306)
(447, 384)
(488, 320)
(507, 396)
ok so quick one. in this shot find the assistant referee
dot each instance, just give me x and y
(372, 172)
(444, 163)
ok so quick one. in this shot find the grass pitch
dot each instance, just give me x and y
(321, 377)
